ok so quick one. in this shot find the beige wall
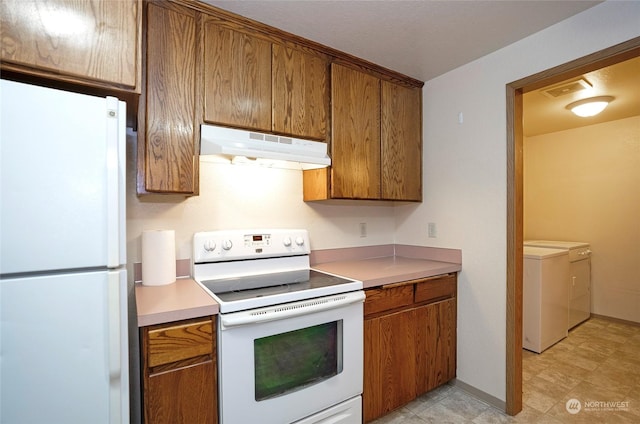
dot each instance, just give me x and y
(584, 185)
(240, 196)
(464, 181)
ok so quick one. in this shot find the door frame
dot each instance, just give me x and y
(515, 193)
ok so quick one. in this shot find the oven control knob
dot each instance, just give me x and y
(287, 241)
(227, 245)
(209, 245)
(299, 241)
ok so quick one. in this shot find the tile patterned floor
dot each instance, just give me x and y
(598, 365)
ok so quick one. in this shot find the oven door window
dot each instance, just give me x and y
(289, 361)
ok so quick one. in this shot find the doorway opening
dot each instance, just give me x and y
(515, 194)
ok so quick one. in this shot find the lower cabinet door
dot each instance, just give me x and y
(409, 344)
(184, 395)
(389, 363)
(436, 344)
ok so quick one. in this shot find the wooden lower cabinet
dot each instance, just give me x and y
(409, 347)
(389, 363)
(179, 372)
(183, 395)
(436, 340)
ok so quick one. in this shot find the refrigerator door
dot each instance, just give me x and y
(64, 349)
(62, 180)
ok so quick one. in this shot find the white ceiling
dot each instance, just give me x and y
(419, 38)
(427, 38)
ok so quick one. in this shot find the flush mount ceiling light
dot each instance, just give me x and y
(589, 107)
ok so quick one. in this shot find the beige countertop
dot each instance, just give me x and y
(373, 265)
(181, 300)
(387, 270)
(388, 263)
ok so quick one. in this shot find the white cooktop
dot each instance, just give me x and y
(247, 269)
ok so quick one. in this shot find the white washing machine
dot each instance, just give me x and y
(545, 297)
(579, 279)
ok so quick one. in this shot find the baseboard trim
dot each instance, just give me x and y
(618, 320)
(483, 396)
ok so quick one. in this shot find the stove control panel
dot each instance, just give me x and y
(257, 240)
(230, 245)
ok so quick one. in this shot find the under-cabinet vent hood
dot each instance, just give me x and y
(241, 146)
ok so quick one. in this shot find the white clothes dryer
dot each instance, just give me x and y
(579, 279)
(545, 297)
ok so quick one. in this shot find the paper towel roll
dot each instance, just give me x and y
(158, 257)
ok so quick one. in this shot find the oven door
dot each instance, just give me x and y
(283, 363)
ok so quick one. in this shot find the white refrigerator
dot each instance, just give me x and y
(63, 284)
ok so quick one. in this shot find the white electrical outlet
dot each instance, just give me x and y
(431, 229)
(363, 229)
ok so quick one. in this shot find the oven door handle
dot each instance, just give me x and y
(304, 307)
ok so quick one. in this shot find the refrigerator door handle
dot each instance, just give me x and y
(116, 136)
(118, 347)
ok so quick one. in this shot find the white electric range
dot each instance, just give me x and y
(290, 338)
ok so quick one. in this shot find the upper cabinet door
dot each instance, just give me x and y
(401, 138)
(237, 78)
(355, 144)
(300, 93)
(92, 42)
(167, 147)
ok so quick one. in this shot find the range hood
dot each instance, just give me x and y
(241, 146)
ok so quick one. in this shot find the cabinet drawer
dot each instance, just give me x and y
(438, 288)
(178, 342)
(385, 298)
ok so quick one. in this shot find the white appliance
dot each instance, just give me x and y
(290, 338)
(268, 150)
(580, 278)
(545, 297)
(63, 283)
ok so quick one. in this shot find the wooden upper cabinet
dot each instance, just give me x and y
(167, 151)
(90, 42)
(300, 86)
(376, 141)
(355, 144)
(252, 83)
(205, 65)
(237, 78)
(401, 142)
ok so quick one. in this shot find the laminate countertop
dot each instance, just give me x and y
(387, 264)
(177, 301)
(373, 265)
(387, 270)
